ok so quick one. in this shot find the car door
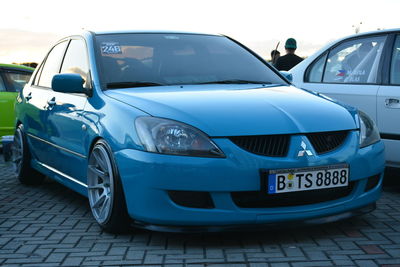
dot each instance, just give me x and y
(11, 82)
(349, 72)
(36, 107)
(66, 127)
(6, 102)
(388, 107)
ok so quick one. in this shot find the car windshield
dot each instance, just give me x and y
(154, 59)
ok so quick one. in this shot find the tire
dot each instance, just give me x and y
(105, 193)
(21, 158)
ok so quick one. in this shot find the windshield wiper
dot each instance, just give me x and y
(131, 84)
(235, 81)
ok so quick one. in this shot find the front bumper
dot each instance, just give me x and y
(255, 227)
(148, 178)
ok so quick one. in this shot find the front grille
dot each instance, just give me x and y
(278, 145)
(266, 145)
(261, 199)
(327, 141)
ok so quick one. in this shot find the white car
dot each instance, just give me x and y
(362, 70)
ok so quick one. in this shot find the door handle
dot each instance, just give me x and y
(392, 103)
(51, 103)
(28, 97)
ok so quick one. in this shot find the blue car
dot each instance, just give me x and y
(174, 131)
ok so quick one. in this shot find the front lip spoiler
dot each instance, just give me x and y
(255, 227)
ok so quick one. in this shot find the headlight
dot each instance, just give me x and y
(175, 138)
(369, 133)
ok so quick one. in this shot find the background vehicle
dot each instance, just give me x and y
(182, 131)
(12, 80)
(362, 70)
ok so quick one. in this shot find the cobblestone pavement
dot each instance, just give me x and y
(50, 225)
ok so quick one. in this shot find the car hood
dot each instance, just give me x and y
(221, 110)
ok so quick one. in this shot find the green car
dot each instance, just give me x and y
(12, 80)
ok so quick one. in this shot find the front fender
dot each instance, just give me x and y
(104, 121)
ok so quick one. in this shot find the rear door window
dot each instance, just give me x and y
(355, 61)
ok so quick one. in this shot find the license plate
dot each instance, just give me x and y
(303, 179)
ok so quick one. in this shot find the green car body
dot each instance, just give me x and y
(12, 80)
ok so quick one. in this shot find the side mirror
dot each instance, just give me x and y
(68, 83)
(287, 75)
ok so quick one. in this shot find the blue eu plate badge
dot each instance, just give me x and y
(271, 183)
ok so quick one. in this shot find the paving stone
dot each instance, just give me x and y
(343, 262)
(56, 257)
(316, 255)
(73, 261)
(311, 263)
(251, 264)
(366, 263)
(372, 249)
(280, 265)
(153, 259)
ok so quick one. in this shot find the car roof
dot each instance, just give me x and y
(332, 43)
(385, 31)
(150, 31)
(14, 66)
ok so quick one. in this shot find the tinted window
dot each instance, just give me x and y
(75, 60)
(395, 65)
(316, 70)
(16, 80)
(52, 65)
(2, 85)
(171, 59)
(355, 61)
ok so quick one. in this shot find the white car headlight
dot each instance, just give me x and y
(369, 133)
(175, 138)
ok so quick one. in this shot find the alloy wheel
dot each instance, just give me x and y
(17, 151)
(100, 184)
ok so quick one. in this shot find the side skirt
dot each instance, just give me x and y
(61, 177)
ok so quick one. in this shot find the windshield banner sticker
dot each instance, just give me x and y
(111, 48)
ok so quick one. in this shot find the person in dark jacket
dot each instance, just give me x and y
(289, 60)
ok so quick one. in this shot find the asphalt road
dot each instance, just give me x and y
(49, 225)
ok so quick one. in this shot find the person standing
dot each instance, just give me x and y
(275, 54)
(289, 60)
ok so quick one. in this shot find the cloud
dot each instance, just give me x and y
(22, 46)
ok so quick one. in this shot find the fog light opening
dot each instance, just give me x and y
(192, 199)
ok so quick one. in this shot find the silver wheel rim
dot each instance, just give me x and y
(100, 184)
(17, 152)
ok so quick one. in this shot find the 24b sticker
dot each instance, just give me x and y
(111, 48)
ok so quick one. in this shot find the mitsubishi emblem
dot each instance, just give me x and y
(304, 151)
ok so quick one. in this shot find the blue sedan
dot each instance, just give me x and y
(191, 132)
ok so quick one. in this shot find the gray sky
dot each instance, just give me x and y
(29, 28)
